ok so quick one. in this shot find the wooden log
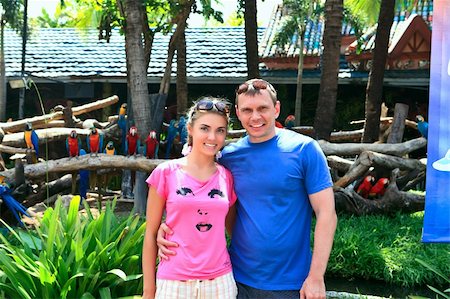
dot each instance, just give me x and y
(68, 115)
(368, 159)
(12, 150)
(54, 187)
(19, 125)
(393, 201)
(351, 149)
(95, 105)
(398, 125)
(88, 162)
(389, 119)
(55, 134)
(339, 163)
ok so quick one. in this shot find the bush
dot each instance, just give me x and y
(387, 249)
(73, 256)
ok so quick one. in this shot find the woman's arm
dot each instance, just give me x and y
(155, 208)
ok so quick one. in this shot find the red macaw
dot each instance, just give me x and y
(31, 138)
(151, 146)
(94, 141)
(365, 186)
(132, 142)
(289, 122)
(73, 144)
(379, 188)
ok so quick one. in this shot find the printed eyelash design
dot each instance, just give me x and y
(214, 192)
(184, 191)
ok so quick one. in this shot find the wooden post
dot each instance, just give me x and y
(398, 125)
(68, 115)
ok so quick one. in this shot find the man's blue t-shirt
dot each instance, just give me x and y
(270, 246)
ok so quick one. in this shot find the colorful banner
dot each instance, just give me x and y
(437, 200)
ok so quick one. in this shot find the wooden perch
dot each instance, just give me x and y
(351, 149)
(368, 159)
(393, 201)
(88, 162)
(54, 134)
(39, 121)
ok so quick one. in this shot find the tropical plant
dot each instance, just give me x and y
(436, 271)
(299, 14)
(73, 256)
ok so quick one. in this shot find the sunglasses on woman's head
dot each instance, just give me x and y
(257, 84)
(207, 105)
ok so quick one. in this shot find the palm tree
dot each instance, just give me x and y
(299, 13)
(251, 38)
(10, 13)
(326, 103)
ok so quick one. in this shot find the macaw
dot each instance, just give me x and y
(379, 188)
(31, 138)
(278, 124)
(151, 146)
(422, 126)
(132, 143)
(110, 149)
(94, 141)
(182, 130)
(73, 144)
(289, 122)
(171, 134)
(84, 179)
(13, 205)
(122, 123)
(365, 186)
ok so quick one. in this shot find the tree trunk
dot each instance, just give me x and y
(251, 39)
(298, 92)
(2, 73)
(374, 89)
(398, 125)
(136, 70)
(182, 85)
(326, 104)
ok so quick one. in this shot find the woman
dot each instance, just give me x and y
(196, 194)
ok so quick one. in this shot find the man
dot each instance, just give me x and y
(280, 178)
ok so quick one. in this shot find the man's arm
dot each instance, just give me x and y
(322, 203)
(163, 245)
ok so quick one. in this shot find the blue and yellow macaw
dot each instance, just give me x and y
(171, 134)
(31, 138)
(13, 205)
(84, 179)
(110, 149)
(182, 130)
(422, 126)
(122, 123)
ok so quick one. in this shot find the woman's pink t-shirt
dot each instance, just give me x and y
(196, 213)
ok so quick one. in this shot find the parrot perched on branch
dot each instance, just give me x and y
(171, 134)
(422, 126)
(289, 122)
(94, 141)
(132, 142)
(151, 146)
(122, 123)
(73, 144)
(182, 130)
(31, 138)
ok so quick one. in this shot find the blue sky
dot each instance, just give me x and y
(265, 9)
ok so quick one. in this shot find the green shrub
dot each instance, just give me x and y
(387, 249)
(73, 256)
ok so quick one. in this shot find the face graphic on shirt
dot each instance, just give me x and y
(202, 225)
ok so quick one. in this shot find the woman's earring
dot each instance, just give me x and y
(186, 149)
(218, 155)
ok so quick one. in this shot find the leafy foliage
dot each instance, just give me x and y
(387, 249)
(12, 13)
(73, 256)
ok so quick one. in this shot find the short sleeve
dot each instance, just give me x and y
(158, 180)
(317, 176)
(230, 185)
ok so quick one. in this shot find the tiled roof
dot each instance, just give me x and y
(314, 32)
(67, 53)
(423, 8)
